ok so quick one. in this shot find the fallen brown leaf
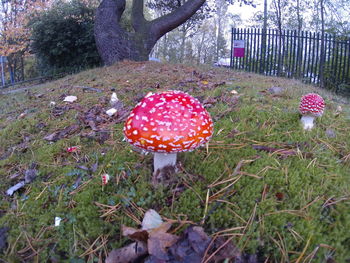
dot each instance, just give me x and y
(128, 253)
(209, 102)
(100, 136)
(158, 243)
(57, 135)
(58, 110)
(135, 234)
(224, 250)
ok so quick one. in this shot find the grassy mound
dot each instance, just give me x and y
(279, 192)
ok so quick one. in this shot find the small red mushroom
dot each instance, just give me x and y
(311, 106)
(166, 123)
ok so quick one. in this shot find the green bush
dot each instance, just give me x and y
(63, 38)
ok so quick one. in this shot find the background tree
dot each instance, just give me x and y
(205, 41)
(234, 20)
(188, 28)
(14, 33)
(221, 18)
(279, 7)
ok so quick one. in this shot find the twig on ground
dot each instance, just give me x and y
(91, 250)
(216, 251)
(226, 191)
(304, 250)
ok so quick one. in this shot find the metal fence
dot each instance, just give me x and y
(295, 54)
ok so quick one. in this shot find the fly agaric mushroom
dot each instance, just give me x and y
(166, 123)
(311, 106)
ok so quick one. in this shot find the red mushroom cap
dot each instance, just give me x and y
(168, 122)
(312, 104)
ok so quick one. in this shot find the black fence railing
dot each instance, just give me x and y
(295, 54)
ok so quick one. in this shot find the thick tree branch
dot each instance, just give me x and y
(164, 24)
(137, 16)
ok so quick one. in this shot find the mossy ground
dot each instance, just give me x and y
(287, 208)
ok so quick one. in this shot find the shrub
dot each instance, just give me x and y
(63, 38)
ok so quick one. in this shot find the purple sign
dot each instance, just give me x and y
(238, 48)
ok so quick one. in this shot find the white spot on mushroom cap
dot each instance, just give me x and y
(149, 94)
(148, 141)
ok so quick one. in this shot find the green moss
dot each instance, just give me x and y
(282, 197)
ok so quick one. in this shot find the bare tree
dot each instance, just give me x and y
(279, 5)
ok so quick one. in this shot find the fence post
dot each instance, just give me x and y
(318, 59)
(249, 48)
(322, 60)
(313, 70)
(2, 70)
(336, 62)
(231, 57)
(263, 51)
(269, 52)
(347, 65)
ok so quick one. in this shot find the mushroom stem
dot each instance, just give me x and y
(308, 122)
(163, 159)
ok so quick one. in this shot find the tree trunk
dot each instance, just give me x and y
(263, 41)
(218, 34)
(116, 44)
(299, 16)
(200, 47)
(113, 42)
(299, 51)
(165, 47)
(322, 56)
(183, 44)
